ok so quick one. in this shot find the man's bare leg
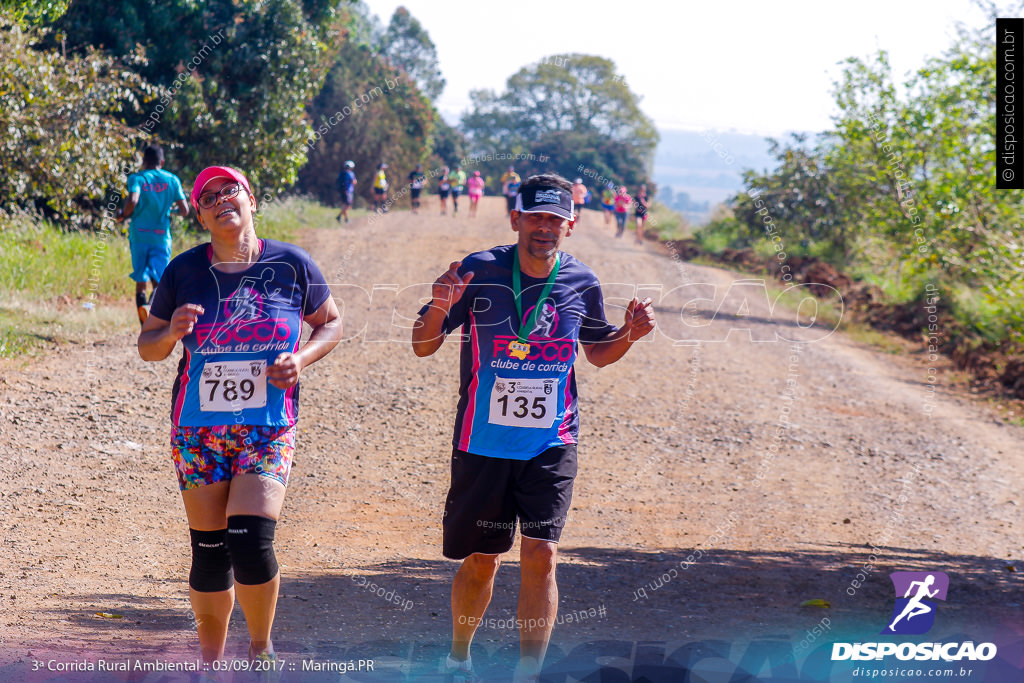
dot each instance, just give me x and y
(538, 603)
(471, 593)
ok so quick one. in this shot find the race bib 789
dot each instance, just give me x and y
(230, 386)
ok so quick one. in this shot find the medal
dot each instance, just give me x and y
(518, 350)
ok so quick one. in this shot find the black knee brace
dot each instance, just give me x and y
(211, 564)
(251, 543)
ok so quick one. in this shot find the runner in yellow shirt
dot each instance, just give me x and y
(380, 190)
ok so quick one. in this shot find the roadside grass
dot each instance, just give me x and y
(285, 219)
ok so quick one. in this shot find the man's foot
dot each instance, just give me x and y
(459, 671)
(527, 671)
(143, 312)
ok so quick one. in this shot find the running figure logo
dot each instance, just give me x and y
(246, 303)
(547, 321)
(914, 612)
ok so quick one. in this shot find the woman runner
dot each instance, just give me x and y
(237, 304)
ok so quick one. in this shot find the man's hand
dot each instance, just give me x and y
(449, 288)
(184, 318)
(285, 370)
(428, 333)
(639, 319)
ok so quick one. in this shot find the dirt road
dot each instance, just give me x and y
(727, 474)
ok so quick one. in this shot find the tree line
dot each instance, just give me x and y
(286, 90)
(900, 195)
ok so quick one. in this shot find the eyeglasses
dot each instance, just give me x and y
(210, 199)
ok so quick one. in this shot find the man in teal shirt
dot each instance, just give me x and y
(153, 195)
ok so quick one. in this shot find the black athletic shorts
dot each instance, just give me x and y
(443, 193)
(488, 496)
(510, 202)
(415, 192)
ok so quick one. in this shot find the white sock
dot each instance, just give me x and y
(465, 665)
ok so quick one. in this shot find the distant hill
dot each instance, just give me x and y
(706, 166)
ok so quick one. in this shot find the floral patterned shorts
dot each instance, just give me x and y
(206, 455)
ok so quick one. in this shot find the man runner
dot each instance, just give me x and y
(417, 179)
(458, 187)
(524, 308)
(346, 184)
(153, 196)
(510, 182)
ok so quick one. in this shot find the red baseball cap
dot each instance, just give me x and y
(211, 172)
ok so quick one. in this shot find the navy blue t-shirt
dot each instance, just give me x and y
(249, 319)
(517, 408)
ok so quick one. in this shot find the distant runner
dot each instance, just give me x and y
(444, 188)
(153, 196)
(608, 203)
(237, 303)
(476, 191)
(641, 205)
(622, 202)
(524, 309)
(510, 182)
(458, 187)
(417, 180)
(346, 184)
(579, 198)
(380, 189)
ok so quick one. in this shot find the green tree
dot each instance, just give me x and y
(63, 140)
(572, 108)
(800, 202)
(237, 75)
(370, 113)
(447, 143)
(28, 13)
(407, 45)
(901, 191)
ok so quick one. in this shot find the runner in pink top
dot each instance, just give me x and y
(622, 202)
(579, 198)
(476, 190)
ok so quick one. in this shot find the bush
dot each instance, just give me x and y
(63, 141)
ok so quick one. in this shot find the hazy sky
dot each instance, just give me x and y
(762, 67)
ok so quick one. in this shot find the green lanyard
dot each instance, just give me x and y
(517, 288)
